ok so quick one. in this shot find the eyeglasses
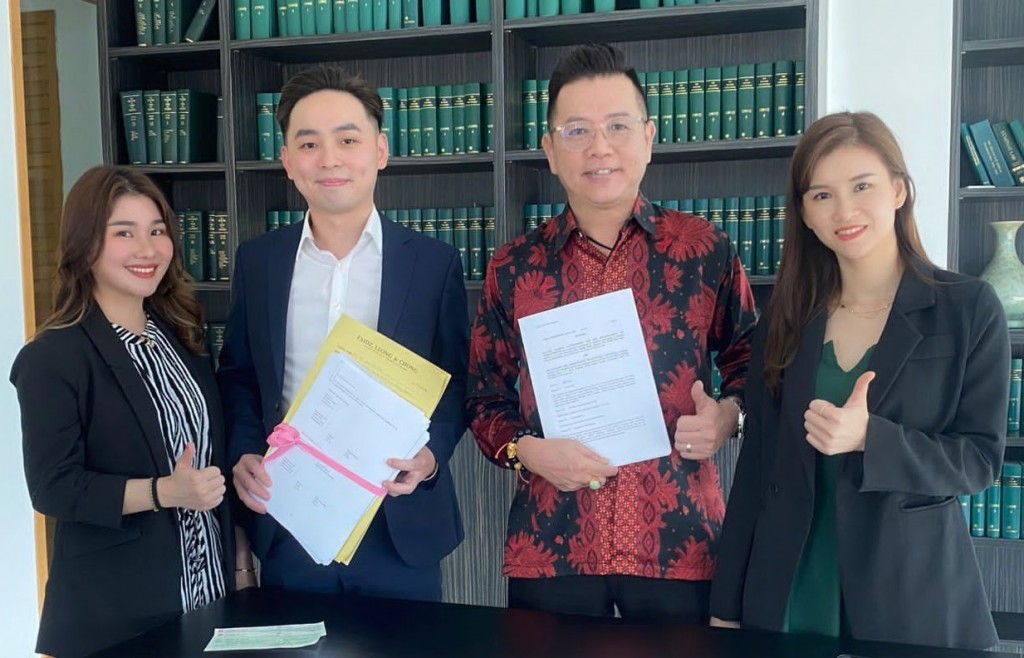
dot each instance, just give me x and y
(579, 135)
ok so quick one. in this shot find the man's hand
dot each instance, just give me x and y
(568, 465)
(835, 430)
(190, 487)
(412, 472)
(699, 436)
(252, 483)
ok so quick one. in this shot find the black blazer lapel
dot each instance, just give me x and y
(279, 267)
(899, 337)
(397, 268)
(798, 390)
(116, 356)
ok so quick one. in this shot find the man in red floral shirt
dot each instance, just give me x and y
(584, 536)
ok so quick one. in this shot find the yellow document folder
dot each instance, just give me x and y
(413, 378)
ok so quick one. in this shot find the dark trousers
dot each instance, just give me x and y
(600, 596)
(376, 569)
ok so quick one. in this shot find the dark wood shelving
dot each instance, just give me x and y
(180, 56)
(988, 193)
(433, 164)
(662, 23)
(735, 149)
(199, 169)
(413, 42)
(993, 52)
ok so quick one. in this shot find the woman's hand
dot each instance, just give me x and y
(835, 430)
(189, 487)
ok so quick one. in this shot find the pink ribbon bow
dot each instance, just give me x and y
(285, 437)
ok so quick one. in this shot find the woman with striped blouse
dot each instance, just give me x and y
(121, 425)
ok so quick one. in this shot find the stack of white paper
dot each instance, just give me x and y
(351, 424)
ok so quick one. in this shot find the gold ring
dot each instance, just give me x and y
(595, 484)
(688, 447)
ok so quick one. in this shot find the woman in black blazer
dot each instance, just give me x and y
(877, 393)
(121, 425)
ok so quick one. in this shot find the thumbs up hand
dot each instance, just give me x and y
(189, 487)
(835, 430)
(700, 435)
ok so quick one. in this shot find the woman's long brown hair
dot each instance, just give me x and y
(808, 280)
(83, 225)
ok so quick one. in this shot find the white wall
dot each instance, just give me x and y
(895, 58)
(18, 602)
(78, 76)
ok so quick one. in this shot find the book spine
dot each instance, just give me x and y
(994, 505)
(380, 15)
(194, 244)
(429, 226)
(1011, 500)
(323, 17)
(666, 101)
(184, 126)
(696, 105)
(283, 30)
(210, 266)
(415, 125)
(445, 228)
(547, 8)
(1013, 412)
(294, 18)
(763, 236)
(729, 81)
(223, 250)
(700, 209)
(716, 212)
(745, 108)
(445, 134)
(394, 14)
(262, 18)
(219, 146)
(748, 206)
(144, 22)
(731, 221)
(782, 98)
(799, 97)
(159, 23)
(410, 13)
(778, 230)
(403, 121)
(763, 99)
(965, 505)
(543, 100)
(1014, 159)
(681, 105)
(389, 129)
(474, 143)
(483, 11)
(476, 244)
(488, 116)
(458, 10)
(530, 136)
(428, 119)
(215, 340)
(1017, 129)
(458, 118)
(431, 12)
(243, 19)
(352, 17)
(978, 515)
(652, 91)
(338, 18)
(273, 220)
(169, 126)
(971, 151)
(265, 125)
(460, 237)
(490, 235)
(713, 104)
(151, 99)
(197, 26)
(514, 9)
(991, 155)
(307, 17)
(278, 133)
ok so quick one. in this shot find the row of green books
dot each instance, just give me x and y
(160, 22)
(205, 248)
(755, 224)
(418, 121)
(439, 120)
(279, 218)
(264, 19)
(995, 512)
(995, 151)
(537, 8)
(1013, 418)
(471, 230)
(703, 104)
(269, 138)
(172, 127)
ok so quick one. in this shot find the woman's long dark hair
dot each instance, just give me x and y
(83, 226)
(808, 280)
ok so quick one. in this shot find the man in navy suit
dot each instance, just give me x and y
(289, 288)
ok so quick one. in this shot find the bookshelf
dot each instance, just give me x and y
(504, 53)
(988, 83)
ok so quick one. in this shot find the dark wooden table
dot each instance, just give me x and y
(382, 628)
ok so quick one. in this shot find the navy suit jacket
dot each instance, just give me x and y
(936, 430)
(422, 306)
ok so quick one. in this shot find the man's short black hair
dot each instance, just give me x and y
(590, 61)
(329, 77)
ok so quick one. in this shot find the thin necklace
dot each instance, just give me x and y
(865, 313)
(601, 244)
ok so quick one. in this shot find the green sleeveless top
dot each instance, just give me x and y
(815, 600)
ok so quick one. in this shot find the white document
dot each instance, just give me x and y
(592, 378)
(314, 502)
(359, 422)
(288, 636)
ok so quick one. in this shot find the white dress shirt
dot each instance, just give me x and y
(323, 288)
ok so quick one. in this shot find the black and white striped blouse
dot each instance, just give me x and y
(183, 416)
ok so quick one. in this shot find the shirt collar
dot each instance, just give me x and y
(373, 232)
(643, 213)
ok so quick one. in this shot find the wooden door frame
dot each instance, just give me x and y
(25, 224)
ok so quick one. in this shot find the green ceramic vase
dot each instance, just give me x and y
(1006, 273)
